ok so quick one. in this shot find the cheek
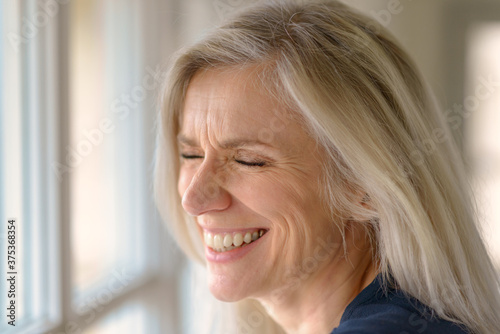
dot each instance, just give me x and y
(290, 206)
(256, 192)
(274, 194)
(291, 203)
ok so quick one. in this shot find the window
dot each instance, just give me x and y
(77, 109)
(28, 189)
(483, 127)
(106, 144)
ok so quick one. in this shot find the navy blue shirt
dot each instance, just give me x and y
(375, 311)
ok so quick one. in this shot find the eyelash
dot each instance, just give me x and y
(186, 156)
(251, 164)
(242, 162)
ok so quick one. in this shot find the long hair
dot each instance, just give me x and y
(364, 102)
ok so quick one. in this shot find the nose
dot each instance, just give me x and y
(206, 191)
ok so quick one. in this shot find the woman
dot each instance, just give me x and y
(292, 161)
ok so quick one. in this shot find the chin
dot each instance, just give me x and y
(228, 289)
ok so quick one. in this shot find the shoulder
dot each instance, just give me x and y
(394, 319)
(389, 311)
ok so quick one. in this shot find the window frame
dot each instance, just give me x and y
(48, 54)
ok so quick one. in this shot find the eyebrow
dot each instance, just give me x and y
(227, 144)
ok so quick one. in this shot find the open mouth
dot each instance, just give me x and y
(223, 242)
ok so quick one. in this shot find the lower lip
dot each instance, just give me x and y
(232, 255)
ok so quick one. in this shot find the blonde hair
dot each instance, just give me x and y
(364, 102)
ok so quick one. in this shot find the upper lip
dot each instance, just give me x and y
(217, 230)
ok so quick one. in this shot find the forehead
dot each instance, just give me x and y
(228, 102)
(231, 94)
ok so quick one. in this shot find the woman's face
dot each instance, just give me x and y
(251, 177)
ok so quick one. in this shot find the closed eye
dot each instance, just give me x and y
(242, 162)
(188, 156)
(251, 163)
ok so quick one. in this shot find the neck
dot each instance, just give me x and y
(317, 302)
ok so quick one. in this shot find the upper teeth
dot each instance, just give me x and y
(227, 241)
